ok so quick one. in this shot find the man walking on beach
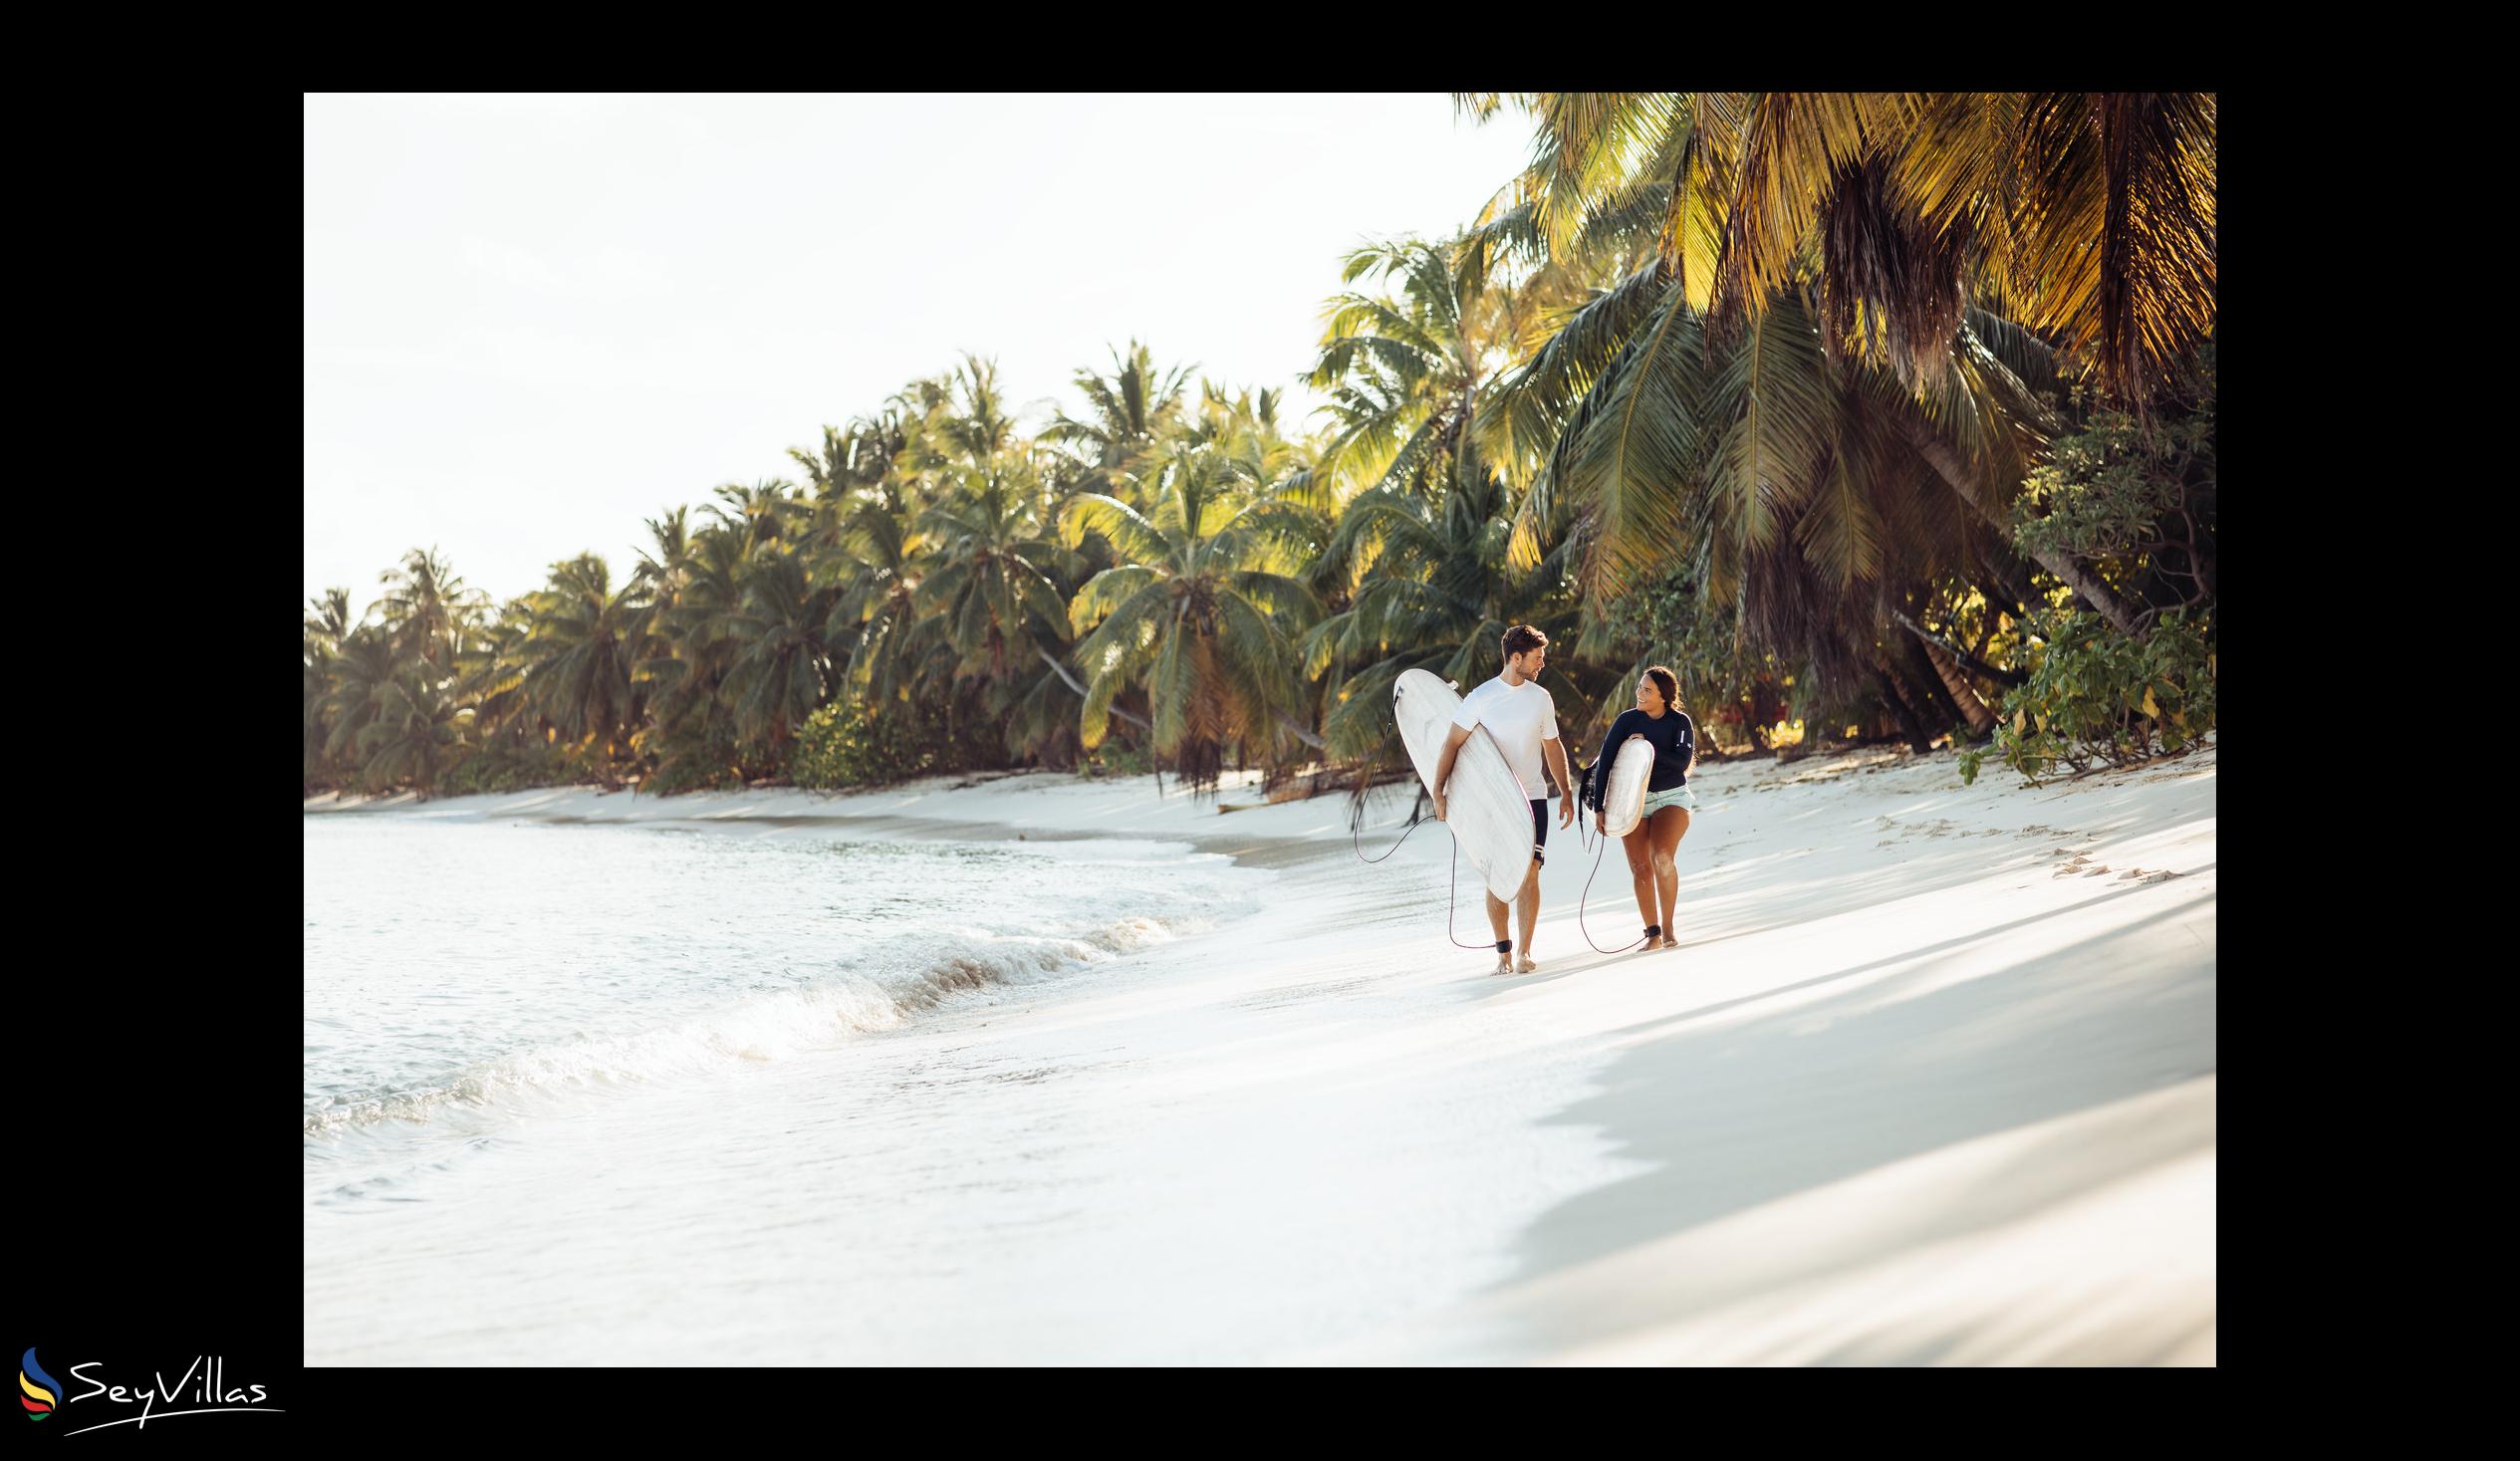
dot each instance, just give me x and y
(1519, 714)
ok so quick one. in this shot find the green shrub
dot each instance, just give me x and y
(513, 763)
(841, 745)
(693, 773)
(1109, 759)
(2134, 495)
(694, 755)
(2099, 699)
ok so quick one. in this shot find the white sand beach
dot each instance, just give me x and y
(1931, 1079)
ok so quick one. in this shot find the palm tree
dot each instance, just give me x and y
(1126, 413)
(1405, 376)
(780, 667)
(766, 512)
(995, 576)
(1889, 220)
(1199, 611)
(490, 675)
(357, 674)
(2087, 216)
(856, 458)
(424, 603)
(1793, 486)
(416, 732)
(1243, 426)
(687, 654)
(325, 629)
(580, 651)
(664, 572)
(892, 646)
(663, 566)
(1433, 591)
(1417, 561)
(858, 467)
(328, 618)
(975, 429)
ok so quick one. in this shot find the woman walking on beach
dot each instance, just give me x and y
(1659, 721)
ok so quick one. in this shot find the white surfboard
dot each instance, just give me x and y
(1623, 799)
(1484, 805)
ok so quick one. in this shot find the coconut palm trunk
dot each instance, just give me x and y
(1295, 728)
(1954, 686)
(1981, 720)
(1077, 685)
(1955, 474)
(1911, 723)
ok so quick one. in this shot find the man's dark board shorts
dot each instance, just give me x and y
(1540, 830)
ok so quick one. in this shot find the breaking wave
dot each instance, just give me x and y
(887, 984)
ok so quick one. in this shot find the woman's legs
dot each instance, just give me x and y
(1667, 828)
(1637, 844)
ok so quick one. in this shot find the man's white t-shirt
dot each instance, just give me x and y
(1520, 717)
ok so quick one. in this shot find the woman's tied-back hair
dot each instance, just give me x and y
(1522, 640)
(1667, 683)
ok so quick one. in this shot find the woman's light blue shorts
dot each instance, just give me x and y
(1675, 796)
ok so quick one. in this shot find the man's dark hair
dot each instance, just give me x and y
(1522, 640)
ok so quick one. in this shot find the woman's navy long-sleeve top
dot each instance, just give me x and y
(1673, 738)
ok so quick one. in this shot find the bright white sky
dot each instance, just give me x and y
(532, 322)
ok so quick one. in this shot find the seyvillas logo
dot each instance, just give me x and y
(204, 1382)
(41, 1390)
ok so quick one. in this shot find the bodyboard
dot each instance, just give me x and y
(1623, 799)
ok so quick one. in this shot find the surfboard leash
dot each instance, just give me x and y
(1453, 896)
(1600, 849)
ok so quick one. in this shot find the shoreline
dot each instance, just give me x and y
(1931, 1079)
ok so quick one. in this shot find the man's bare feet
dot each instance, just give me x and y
(1525, 965)
(1504, 964)
(1669, 942)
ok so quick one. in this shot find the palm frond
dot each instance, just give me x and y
(1632, 445)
